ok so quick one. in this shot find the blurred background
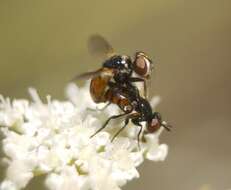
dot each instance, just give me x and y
(43, 44)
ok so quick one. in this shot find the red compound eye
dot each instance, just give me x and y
(142, 65)
(153, 125)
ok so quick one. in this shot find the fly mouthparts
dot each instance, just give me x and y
(166, 126)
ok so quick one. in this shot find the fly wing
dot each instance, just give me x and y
(91, 74)
(98, 46)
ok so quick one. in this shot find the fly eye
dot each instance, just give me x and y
(142, 65)
(153, 125)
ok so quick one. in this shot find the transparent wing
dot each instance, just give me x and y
(99, 46)
(87, 75)
(91, 74)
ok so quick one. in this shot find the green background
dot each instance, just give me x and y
(43, 44)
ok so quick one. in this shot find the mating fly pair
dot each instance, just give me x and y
(115, 82)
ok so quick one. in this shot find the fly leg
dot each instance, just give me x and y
(136, 79)
(106, 122)
(99, 109)
(119, 131)
(138, 136)
(130, 116)
(136, 121)
(139, 133)
(104, 107)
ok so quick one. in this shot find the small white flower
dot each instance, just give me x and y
(67, 179)
(6, 185)
(20, 172)
(155, 152)
(53, 138)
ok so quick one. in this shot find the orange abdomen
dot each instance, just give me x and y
(98, 88)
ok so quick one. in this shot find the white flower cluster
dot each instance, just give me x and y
(52, 139)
